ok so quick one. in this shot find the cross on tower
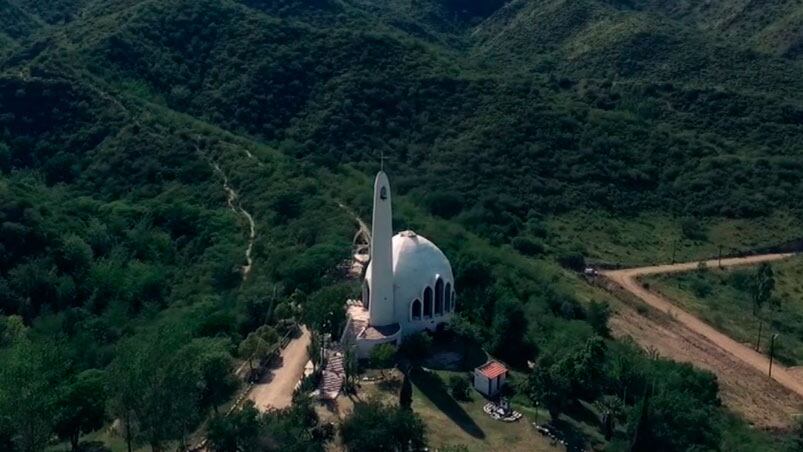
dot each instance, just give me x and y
(382, 161)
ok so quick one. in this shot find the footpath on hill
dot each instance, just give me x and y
(742, 372)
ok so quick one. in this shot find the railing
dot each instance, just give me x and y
(249, 384)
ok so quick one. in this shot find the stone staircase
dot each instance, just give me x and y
(334, 375)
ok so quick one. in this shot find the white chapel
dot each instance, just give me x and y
(408, 285)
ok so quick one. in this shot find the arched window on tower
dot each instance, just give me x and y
(428, 302)
(454, 300)
(366, 294)
(448, 294)
(439, 296)
(416, 310)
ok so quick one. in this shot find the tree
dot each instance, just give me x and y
(82, 406)
(527, 246)
(583, 368)
(76, 255)
(30, 379)
(283, 311)
(612, 409)
(382, 356)
(406, 393)
(444, 204)
(350, 364)
(268, 334)
(156, 385)
(171, 408)
(12, 329)
(293, 429)
(416, 346)
(598, 315)
(549, 387)
(235, 432)
(459, 387)
(763, 285)
(219, 381)
(324, 310)
(126, 384)
(692, 229)
(315, 349)
(252, 348)
(374, 427)
(509, 333)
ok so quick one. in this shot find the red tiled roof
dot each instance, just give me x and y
(492, 369)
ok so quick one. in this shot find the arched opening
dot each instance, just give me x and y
(448, 294)
(428, 302)
(415, 310)
(366, 294)
(439, 296)
(454, 300)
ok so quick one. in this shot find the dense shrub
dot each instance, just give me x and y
(527, 246)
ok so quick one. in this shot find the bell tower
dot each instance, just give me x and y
(380, 305)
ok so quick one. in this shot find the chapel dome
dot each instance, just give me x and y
(417, 264)
(417, 261)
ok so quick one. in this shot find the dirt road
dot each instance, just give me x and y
(679, 335)
(275, 390)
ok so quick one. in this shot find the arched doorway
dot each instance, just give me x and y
(428, 302)
(366, 294)
(439, 296)
(447, 293)
(415, 310)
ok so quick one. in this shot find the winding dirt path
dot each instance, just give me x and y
(234, 204)
(361, 257)
(680, 335)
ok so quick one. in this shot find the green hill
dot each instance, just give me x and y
(518, 134)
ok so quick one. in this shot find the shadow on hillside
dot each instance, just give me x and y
(434, 389)
(575, 439)
(450, 352)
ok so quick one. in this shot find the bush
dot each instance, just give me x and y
(382, 356)
(598, 315)
(572, 261)
(445, 205)
(459, 387)
(528, 246)
(692, 229)
(374, 426)
(416, 346)
(701, 287)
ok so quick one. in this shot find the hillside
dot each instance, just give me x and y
(521, 136)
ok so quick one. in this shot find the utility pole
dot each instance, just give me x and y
(674, 250)
(537, 404)
(772, 350)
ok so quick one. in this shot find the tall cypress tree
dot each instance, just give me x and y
(406, 394)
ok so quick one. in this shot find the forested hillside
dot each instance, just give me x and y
(122, 121)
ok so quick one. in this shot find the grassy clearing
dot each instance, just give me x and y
(653, 239)
(722, 298)
(451, 422)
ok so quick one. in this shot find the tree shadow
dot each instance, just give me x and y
(451, 352)
(433, 388)
(575, 439)
(582, 413)
(265, 373)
